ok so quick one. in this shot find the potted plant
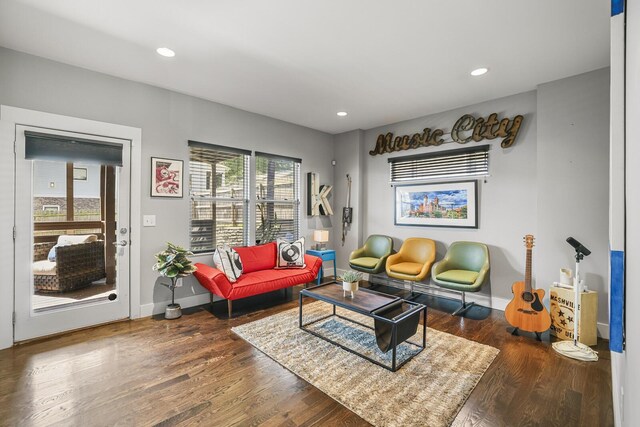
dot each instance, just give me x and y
(350, 280)
(173, 263)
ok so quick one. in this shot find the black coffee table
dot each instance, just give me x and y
(395, 319)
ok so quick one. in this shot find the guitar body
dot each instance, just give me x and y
(526, 311)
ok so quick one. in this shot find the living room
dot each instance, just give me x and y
(258, 106)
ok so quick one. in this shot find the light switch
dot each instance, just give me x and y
(149, 220)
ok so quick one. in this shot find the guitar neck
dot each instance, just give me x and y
(527, 274)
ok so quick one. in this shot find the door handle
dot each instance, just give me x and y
(120, 243)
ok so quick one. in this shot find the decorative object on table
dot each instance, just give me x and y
(317, 196)
(290, 255)
(174, 264)
(449, 204)
(372, 256)
(166, 177)
(321, 237)
(526, 310)
(418, 394)
(350, 282)
(227, 260)
(465, 268)
(347, 211)
(566, 277)
(574, 348)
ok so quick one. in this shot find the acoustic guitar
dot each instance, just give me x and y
(526, 311)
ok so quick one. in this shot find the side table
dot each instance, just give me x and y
(325, 255)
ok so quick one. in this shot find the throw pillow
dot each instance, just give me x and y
(52, 254)
(290, 255)
(228, 261)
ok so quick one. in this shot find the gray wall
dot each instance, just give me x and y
(573, 179)
(167, 120)
(507, 199)
(348, 152)
(552, 183)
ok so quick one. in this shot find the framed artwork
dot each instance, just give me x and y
(79, 174)
(444, 204)
(166, 177)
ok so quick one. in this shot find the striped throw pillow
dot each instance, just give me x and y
(228, 261)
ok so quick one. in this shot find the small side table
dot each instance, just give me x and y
(325, 255)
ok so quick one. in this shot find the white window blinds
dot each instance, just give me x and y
(444, 164)
(277, 197)
(218, 184)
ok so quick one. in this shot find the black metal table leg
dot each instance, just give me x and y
(394, 342)
(300, 310)
(424, 328)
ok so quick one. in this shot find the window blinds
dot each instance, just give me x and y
(444, 164)
(218, 183)
(277, 197)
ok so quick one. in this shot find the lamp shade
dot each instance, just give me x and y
(321, 236)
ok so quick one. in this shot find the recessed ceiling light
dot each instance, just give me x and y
(341, 113)
(479, 71)
(165, 51)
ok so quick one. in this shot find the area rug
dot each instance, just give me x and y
(428, 391)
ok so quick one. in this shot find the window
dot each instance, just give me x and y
(464, 162)
(277, 197)
(218, 188)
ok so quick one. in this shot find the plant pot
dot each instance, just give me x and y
(173, 311)
(349, 287)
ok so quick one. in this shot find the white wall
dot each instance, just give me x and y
(167, 120)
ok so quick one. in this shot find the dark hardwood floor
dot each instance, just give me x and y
(195, 371)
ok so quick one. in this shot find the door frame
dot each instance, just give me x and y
(9, 118)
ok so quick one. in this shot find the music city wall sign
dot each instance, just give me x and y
(467, 128)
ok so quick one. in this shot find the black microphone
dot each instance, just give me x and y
(578, 246)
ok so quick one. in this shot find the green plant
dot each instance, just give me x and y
(351, 276)
(173, 263)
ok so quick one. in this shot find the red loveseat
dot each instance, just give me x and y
(259, 274)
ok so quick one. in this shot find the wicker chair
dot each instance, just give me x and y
(76, 266)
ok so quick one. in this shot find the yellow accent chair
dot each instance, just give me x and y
(413, 261)
(372, 257)
(464, 268)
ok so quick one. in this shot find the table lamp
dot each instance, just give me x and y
(321, 237)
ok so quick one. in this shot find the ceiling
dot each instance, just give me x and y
(302, 61)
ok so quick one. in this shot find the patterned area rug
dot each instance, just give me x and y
(428, 391)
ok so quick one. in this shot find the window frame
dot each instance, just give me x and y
(210, 183)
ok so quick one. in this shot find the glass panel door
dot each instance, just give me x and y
(72, 236)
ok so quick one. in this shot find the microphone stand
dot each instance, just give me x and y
(576, 350)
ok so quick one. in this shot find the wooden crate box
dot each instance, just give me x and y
(562, 315)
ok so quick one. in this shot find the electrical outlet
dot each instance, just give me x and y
(149, 220)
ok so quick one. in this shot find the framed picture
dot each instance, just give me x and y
(79, 174)
(444, 204)
(166, 177)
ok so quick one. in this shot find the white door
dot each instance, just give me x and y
(72, 225)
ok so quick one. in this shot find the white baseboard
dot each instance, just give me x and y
(603, 330)
(185, 302)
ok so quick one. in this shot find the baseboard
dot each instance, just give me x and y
(147, 310)
(603, 330)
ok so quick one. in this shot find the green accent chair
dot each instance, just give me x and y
(464, 268)
(372, 257)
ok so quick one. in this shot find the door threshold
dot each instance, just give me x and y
(59, 334)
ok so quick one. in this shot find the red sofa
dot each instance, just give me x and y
(259, 274)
